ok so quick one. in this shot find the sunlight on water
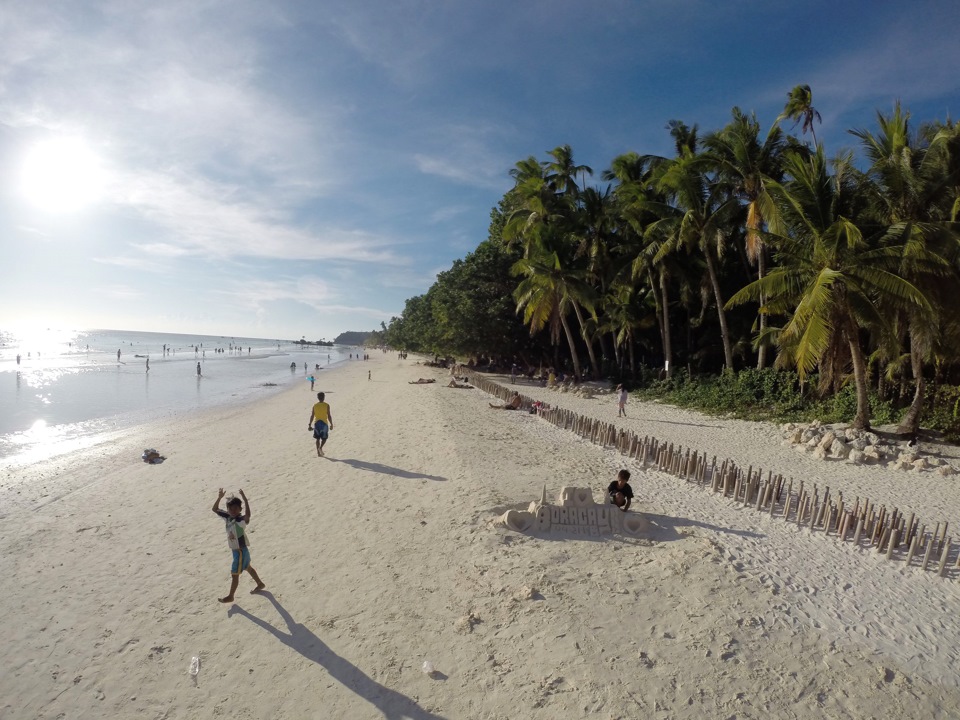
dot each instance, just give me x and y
(70, 388)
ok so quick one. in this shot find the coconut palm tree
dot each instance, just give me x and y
(697, 217)
(562, 171)
(744, 162)
(546, 295)
(800, 109)
(831, 281)
(643, 238)
(548, 221)
(910, 182)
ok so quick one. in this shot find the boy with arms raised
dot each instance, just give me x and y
(238, 542)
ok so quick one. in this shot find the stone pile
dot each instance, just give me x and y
(858, 447)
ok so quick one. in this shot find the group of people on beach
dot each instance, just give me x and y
(320, 422)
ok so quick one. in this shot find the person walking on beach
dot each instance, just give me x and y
(312, 380)
(198, 369)
(620, 492)
(148, 364)
(118, 355)
(321, 422)
(238, 542)
(18, 359)
(621, 401)
(368, 374)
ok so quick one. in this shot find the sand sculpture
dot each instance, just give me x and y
(574, 513)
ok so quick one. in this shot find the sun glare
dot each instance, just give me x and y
(61, 175)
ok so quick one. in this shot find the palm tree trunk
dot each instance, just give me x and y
(616, 348)
(911, 421)
(721, 314)
(762, 349)
(667, 340)
(583, 333)
(573, 345)
(633, 364)
(862, 420)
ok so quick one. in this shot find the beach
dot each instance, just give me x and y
(386, 554)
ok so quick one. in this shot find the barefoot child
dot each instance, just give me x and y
(237, 540)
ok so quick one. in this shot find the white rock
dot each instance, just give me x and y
(796, 437)
(872, 438)
(839, 450)
(859, 444)
(827, 440)
(946, 470)
(808, 435)
(902, 465)
(820, 452)
(920, 464)
(852, 434)
(856, 457)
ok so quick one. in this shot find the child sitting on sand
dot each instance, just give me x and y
(620, 492)
(237, 540)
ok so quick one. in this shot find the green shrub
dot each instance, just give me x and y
(766, 394)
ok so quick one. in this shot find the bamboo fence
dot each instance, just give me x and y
(889, 531)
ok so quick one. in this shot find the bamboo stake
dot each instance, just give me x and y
(858, 531)
(943, 558)
(913, 548)
(926, 555)
(893, 543)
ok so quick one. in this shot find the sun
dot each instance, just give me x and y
(61, 175)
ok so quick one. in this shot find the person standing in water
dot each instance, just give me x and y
(118, 355)
(148, 364)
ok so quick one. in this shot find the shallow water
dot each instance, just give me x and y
(69, 388)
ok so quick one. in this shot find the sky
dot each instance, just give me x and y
(289, 169)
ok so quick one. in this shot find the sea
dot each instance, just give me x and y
(71, 390)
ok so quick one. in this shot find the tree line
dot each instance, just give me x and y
(743, 248)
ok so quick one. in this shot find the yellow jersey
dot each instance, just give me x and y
(321, 413)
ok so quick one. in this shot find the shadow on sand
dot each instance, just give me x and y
(392, 704)
(385, 469)
(663, 528)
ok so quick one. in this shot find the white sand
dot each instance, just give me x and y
(384, 555)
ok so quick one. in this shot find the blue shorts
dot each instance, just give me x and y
(320, 430)
(238, 566)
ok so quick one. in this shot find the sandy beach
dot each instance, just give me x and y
(386, 554)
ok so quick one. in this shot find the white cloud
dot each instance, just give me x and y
(202, 218)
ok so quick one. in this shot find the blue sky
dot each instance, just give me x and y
(301, 168)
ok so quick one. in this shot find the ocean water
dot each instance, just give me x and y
(70, 390)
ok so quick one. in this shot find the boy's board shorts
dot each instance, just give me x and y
(320, 430)
(241, 561)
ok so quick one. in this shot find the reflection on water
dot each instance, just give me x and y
(64, 395)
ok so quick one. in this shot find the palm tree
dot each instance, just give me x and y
(546, 295)
(697, 218)
(800, 109)
(831, 281)
(643, 237)
(562, 172)
(744, 163)
(547, 221)
(910, 193)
